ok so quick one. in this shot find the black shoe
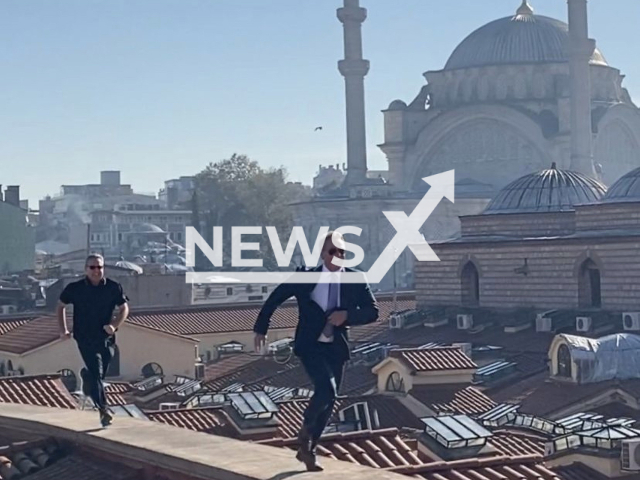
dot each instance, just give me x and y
(309, 459)
(106, 418)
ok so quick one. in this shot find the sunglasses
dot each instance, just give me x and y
(333, 251)
(96, 267)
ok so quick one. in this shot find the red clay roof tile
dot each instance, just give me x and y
(235, 318)
(456, 399)
(40, 390)
(371, 448)
(434, 359)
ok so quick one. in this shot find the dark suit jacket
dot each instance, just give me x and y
(355, 298)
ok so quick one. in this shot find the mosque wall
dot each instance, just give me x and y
(519, 225)
(553, 273)
(492, 145)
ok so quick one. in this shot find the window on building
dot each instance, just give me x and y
(395, 383)
(564, 362)
(119, 237)
(589, 294)
(470, 285)
(264, 289)
(229, 291)
(179, 236)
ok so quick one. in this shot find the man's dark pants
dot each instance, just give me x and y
(96, 356)
(325, 367)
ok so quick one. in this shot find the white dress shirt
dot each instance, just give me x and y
(320, 293)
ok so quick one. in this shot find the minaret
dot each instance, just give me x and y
(581, 48)
(354, 68)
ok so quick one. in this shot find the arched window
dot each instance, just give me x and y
(564, 362)
(470, 281)
(395, 383)
(151, 370)
(589, 294)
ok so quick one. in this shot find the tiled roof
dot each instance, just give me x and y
(8, 324)
(377, 449)
(579, 471)
(30, 335)
(84, 467)
(492, 468)
(41, 390)
(228, 365)
(213, 420)
(456, 399)
(540, 395)
(513, 444)
(42, 331)
(118, 387)
(207, 420)
(235, 318)
(46, 459)
(526, 341)
(116, 399)
(391, 413)
(434, 359)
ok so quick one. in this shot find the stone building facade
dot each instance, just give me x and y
(515, 96)
(551, 240)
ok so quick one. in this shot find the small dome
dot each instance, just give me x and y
(397, 105)
(550, 190)
(625, 189)
(523, 38)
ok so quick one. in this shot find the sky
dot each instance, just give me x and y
(160, 88)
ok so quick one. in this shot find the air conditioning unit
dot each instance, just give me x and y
(465, 347)
(169, 406)
(631, 321)
(544, 324)
(396, 321)
(583, 324)
(465, 321)
(199, 371)
(630, 455)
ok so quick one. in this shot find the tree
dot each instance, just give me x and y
(238, 192)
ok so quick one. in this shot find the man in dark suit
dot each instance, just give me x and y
(326, 310)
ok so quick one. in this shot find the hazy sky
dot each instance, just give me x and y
(159, 88)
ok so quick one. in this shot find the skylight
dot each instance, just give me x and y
(456, 431)
(253, 405)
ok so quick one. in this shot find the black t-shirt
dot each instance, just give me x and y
(93, 307)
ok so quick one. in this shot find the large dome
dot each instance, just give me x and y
(523, 38)
(550, 190)
(626, 189)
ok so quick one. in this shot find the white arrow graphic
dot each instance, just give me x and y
(408, 227)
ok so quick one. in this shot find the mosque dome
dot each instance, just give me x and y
(625, 189)
(523, 38)
(550, 190)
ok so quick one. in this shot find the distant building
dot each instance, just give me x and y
(128, 228)
(552, 239)
(177, 192)
(17, 236)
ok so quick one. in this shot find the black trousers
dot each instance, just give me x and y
(96, 357)
(325, 367)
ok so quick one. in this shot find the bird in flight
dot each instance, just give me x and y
(317, 128)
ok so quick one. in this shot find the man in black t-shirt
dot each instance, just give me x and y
(94, 299)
